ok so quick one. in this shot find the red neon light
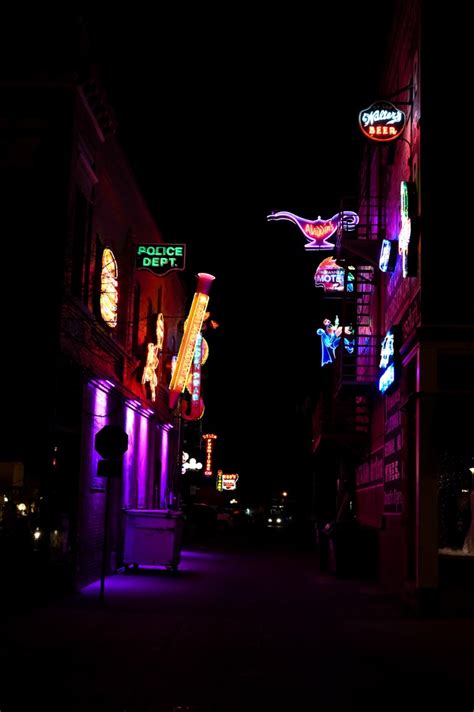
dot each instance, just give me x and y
(323, 230)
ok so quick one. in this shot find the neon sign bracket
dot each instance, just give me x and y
(409, 87)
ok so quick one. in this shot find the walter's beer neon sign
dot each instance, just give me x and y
(382, 121)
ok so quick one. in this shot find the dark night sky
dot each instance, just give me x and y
(222, 126)
(226, 116)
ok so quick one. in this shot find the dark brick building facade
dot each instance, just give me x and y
(78, 318)
(400, 458)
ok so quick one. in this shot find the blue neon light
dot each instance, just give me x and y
(387, 378)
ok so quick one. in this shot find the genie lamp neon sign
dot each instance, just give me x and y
(318, 232)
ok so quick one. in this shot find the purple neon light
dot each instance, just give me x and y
(98, 410)
(164, 467)
(142, 461)
(128, 480)
(318, 232)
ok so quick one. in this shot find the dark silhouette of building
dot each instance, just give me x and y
(393, 425)
(77, 316)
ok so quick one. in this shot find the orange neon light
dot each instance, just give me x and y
(109, 288)
(209, 439)
(191, 331)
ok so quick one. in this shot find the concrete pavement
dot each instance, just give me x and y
(243, 625)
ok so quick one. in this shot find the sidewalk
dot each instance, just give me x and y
(234, 629)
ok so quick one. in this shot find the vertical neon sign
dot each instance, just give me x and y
(388, 363)
(209, 439)
(191, 331)
(152, 359)
(407, 212)
(196, 410)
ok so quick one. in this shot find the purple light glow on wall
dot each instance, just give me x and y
(317, 232)
(98, 409)
(142, 461)
(128, 499)
(164, 467)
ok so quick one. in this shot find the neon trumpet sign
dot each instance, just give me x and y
(196, 410)
(188, 342)
(318, 232)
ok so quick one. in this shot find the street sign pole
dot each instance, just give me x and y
(105, 540)
(111, 442)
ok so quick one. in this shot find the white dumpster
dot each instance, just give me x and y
(153, 537)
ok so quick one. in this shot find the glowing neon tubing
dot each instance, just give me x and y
(188, 342)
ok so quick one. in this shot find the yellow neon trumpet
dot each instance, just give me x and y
(191, 331)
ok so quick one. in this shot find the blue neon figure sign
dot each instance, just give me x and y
(388, 357)
(331, 337)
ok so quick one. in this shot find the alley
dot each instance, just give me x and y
(241, 626)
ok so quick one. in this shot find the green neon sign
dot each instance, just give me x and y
(161, 259)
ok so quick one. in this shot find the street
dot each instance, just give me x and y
(243, 625)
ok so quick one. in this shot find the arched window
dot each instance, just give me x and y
(109, 288)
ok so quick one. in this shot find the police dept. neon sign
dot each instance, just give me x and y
(382, 121)
(387, 363)
(161, 259)
(318, 232)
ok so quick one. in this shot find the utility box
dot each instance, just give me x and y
(153, 538)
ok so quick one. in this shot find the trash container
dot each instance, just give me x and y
(153, 537)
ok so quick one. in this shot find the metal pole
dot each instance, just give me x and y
(178, 463)
(105, 540)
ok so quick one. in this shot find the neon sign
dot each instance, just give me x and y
(331, 337)
(229, 481)
(160, 259)
(387, 363)
(189, 463)
(226, 481)
(382, 121)
(388, 255)
(330, 276)
(152, 358)
(209, 439)
(387, 378)
(191, 332)
(109, 288)
(407, 212)
(196, 411)
(318, 232)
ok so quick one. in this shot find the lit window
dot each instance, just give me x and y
(109, 288)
